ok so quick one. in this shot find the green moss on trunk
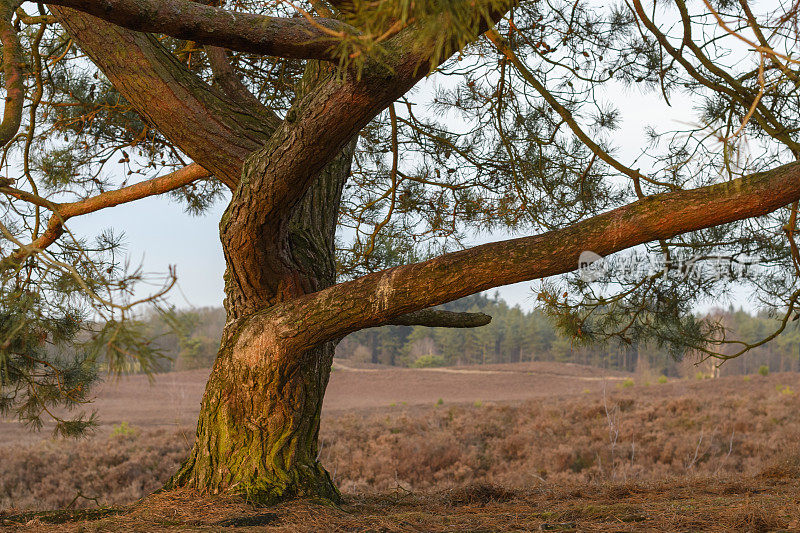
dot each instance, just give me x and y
(258, 430)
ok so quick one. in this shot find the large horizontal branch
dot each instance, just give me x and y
(153, 187)
(297, 38)
(378, 298)
(436, 318)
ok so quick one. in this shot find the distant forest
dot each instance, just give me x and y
(190, 340)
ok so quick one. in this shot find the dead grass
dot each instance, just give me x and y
(700, 504)
(717, 455)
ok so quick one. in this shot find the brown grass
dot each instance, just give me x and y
(705, 455)
(698, 505)
(173, 399)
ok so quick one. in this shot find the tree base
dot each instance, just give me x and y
(308, 481)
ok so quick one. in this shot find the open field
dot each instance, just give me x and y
(509, 447)
(173, 400)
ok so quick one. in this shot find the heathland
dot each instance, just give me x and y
(508, 447)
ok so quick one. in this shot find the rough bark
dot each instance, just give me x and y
(316, 128)
(258, 427)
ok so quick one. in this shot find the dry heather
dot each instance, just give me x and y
(718, 428)
(754, 505)
(642, 434)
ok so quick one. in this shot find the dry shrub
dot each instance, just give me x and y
(784, 466)
(98, 471)
(711, 429)
(478, 493)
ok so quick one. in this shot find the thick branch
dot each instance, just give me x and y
(380, 297)
(12, 72)
(214, 130)
(255, 226)
(297, 38)
(153, 187)
(435, 318)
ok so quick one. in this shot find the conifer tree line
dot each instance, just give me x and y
(188, 339)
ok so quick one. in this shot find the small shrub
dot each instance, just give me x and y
(581, 463)
(746, 378)
(478, 403)
(763, 370)
(478, 493)
(429, 361)
(439, 401)
(627, 383)
(784, 466)
(123, 430)
(787, 391)
(662, 379)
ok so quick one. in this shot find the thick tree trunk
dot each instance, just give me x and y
(259, 420)
(258, 428)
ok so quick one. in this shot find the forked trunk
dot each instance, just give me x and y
(259, 420)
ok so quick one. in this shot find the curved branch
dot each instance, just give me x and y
(318, 126)
(215, 131)
(296, 38)
(153, 187)
(436, 318)
(380, 297)
(12, 71)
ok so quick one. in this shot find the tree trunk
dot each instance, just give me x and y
(258, 428)
(259, 420)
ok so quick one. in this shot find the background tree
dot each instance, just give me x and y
(302, 117)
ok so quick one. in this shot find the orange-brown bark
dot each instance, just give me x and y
(378, 298)
(131, 193)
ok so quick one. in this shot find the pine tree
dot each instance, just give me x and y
(351, 197)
